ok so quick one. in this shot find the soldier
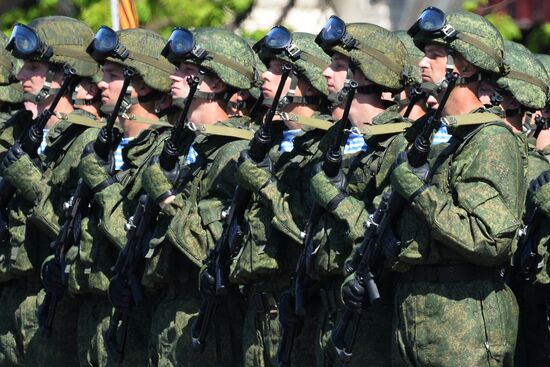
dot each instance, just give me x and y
(279, 187)
(460, 224)
(543, 140)
(115, 194)
(192, 197)
(43, 183)
(380, 64)
(530, 284)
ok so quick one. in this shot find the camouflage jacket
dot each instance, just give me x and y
(472, 210)
(12, 129)
(34, 223)
(189, 227)
(277, 215)
(367, 174)
(102, 231)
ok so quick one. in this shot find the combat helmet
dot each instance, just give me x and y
(527, 80)
(10, 88)
(57, 40)
(306, 58)
(414, 55)
(139, 51)
(469, 34)
(545, 62)
(218, 51)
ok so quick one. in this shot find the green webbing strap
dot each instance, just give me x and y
(147, 121)
(73, 53)
(374, 130)
(77, 119)
(498, 57)
(470, 119)
(307, 121)
(307, 57)
(221, 130)
(151, 61)
(232, 64)
(381, 57)
(528, 78)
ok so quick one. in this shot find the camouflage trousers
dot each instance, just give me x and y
(470, 323)
(262, 332)
(533, 348)
(93, 320)
(21, 343)
(170, 338)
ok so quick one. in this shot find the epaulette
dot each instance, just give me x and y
(78, 119)
(221, 130)
(307, 121)
(470, 119)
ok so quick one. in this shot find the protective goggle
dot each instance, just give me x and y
(24, 43)
(105, 44)
(433, 24)
(334, 34)
(181, 46)
(278, 40)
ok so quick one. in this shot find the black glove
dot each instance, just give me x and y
(420, 172)
(339, 181)
(12, 155)
(207, 282)
(52, 278)
(353, 294)
(120, 294)
(537, 183)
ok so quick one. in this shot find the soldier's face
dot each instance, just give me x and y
(434, 63)
(33, 75)
(111, 84)
(180, 88)
(271, 78)
(336, 73)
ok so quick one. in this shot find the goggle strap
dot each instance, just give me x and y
(383, 59)
(307, 57)
(70, 52)
(493, 53)
(249, 74)
(151, 61)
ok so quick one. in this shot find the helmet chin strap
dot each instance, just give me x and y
(291, 98)
(124, 107)
(337, 98)
(45, 92)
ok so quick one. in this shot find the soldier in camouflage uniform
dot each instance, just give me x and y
(367, 175)
(533, 348)
(43, 184)
(115, 196)
(280, 194)
(452, 306)
(11, 93)
(193, 196)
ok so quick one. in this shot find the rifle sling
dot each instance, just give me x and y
(307, 121)
(374, 130)
(221, 130)
(77, 119)
(470, 119)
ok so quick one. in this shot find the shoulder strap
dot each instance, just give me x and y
(147, 121)
(374, 130)
(307, 121)
(221, 130)
(470, 119)
(78, 119)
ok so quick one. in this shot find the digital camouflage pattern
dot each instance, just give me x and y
(470, 213)
(186, 230)
(415, 54)
(144, 57)
(489, 59)
(527, 79)
(68, 38)
(388, 70)
(232, 47)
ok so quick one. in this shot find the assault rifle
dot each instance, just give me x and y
(131, 260)
(369, 259)
(30, 143)
(219, 259)
(76, 209)
(331, 166)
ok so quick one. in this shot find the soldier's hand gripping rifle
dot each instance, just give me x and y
(227, 246)
(30, 143)
(76, 209)
(331, 167)
(370, 258)
(541, 123)
(130, 264)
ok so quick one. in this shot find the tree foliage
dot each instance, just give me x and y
(158, 15)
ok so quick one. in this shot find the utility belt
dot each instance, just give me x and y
(450, 273)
